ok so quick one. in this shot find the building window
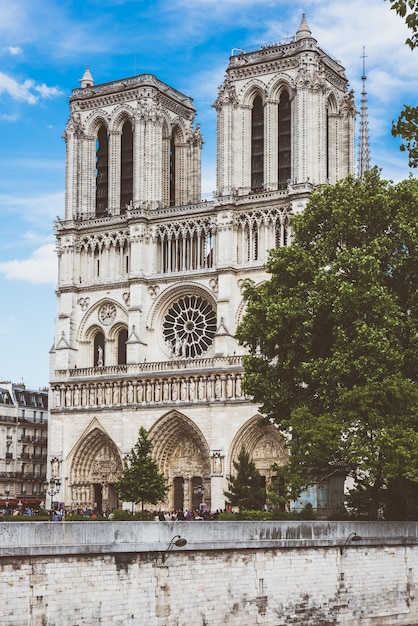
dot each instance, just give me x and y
(126, 168)
(172, 169)
(282, 231)
(284, 156)
(189, 326)
(102, 166)
(257, 145)
(251, 242)
(122, 339)
(99, 350)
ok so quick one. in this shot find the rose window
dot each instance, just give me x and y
(107, 313)
(189, 326)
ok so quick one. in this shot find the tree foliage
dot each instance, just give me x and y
(246, 487)
(333, 338)
(407, 127)
(408, 10)
(141, 480)
(407, 124)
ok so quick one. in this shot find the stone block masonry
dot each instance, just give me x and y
(235, 573)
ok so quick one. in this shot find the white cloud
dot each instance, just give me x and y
(9, 117)
(41, 267)
(34, 209)
(13, 50)
(47, 92)
(27, 91)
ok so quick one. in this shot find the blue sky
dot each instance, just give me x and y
(45, 46)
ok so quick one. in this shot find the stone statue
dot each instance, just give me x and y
(165, 391)
(201, 388)
(116, 393)
(229, 392)
(100, 356)
(192, 389)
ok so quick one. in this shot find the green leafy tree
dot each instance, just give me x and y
(141, 480)
(333, 339)
(406, 127)
(246, 487)
(407, 124)
(408, 10)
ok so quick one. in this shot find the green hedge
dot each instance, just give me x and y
(306, 513)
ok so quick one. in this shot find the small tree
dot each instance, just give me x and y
(246, 488)
(141, 480)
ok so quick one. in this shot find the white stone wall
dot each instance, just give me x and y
(241, 574)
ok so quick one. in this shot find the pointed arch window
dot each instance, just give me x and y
(257, 144)
(99, 350)
(102, 167)
(331, 151)
(122, 339)
(251, 242)
(282, 231)
(284, 139)
(126, 169)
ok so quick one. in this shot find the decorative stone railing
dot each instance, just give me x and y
(138, 385)
(134, 369)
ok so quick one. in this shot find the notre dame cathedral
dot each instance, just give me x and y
(149, 288)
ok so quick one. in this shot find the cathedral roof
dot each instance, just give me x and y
(303, 31)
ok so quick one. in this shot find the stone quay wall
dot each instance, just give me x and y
(235, 573)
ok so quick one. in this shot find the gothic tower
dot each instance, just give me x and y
(149, 289)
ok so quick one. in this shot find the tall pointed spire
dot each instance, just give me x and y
(364, 149)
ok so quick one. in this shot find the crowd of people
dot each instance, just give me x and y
(187, 515)
(59, 514)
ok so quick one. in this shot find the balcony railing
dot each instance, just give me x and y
(8, 418)
(135, 369)
(36, 476)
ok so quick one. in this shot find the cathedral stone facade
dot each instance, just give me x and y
(149, 289)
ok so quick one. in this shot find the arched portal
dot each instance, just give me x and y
(95, 467)
(183, 456)
(264, 444)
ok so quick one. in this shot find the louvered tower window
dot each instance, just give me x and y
(172, 170)
(284, 139)
(257, 144)
(102, 165)
(126, 170)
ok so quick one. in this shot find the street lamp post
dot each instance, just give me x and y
(51, 488)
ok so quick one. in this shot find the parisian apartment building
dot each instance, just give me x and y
(23, 446)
